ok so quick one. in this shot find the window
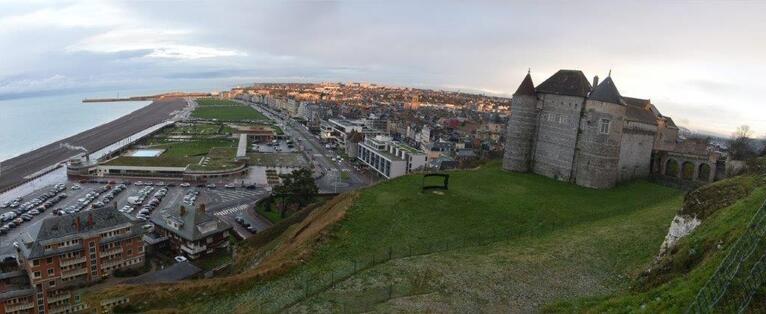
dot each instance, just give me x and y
(36, 262)
(37, 274)
(50, 271)
(52, 283)
(604, 128)
(49, 260)
(562, 119)
(551, 117)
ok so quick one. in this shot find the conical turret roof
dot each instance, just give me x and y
(526, 87)
(607, 92)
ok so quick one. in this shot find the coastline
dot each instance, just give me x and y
(38, 162)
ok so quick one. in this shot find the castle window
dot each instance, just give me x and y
(604, 128)
(562, 119)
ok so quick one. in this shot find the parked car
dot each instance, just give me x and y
(185, 185)
(180, 259)
(211, 186)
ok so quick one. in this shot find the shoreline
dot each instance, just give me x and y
(36, 163)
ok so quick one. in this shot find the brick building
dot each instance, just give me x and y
(73, 251)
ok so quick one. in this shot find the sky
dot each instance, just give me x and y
(700, 62)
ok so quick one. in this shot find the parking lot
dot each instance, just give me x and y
(277, 146)
(134, 199)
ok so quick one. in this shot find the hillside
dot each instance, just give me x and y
(496, 240)
(671, 283)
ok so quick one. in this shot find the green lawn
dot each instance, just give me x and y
(216, 102)
(195, 129)
(228, 113)
(560, 241)
(181, 154)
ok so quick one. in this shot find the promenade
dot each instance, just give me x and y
(16, 170)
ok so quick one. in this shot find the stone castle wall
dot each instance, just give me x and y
(599, 153)
(520, 133)
(636, 151)
(554, 148)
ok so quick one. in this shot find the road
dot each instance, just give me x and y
(13, 171)
(330, 181)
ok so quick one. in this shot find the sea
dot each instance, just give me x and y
(33, 122)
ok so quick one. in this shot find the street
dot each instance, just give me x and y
(330, 172)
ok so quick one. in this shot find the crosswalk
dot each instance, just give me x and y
(233, 195)
(231, 211)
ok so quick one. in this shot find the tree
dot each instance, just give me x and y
(297, 188)
(742, 144)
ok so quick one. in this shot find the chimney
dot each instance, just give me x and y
(595, 80)
(90, 219)
(77, 224)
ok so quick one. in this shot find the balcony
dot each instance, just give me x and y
(112, 263)
(112, 252)
(74, 273)
(19, 307)
(72, 261)
(66, 308)
(59, 297)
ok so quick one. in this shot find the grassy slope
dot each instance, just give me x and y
(517, 276)
(698, 253)
(558, 228)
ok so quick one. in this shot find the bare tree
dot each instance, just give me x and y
(743, 131)
(742, 147)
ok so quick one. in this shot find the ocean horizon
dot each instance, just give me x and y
(33, 122)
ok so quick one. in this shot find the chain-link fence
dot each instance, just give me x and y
(305, 286)
(731, 275)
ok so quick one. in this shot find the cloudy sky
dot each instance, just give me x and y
(700, 62)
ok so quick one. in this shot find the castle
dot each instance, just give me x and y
(570, 130)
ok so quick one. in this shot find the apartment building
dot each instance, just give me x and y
(390, 158)
(191, 232)
(16, 295)
(73, 251)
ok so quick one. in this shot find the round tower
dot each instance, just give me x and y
(521, 127)
(599, 141)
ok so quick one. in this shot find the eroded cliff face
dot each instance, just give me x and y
(681, 226)
(698, 206)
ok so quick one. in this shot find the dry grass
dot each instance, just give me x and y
(290, 249)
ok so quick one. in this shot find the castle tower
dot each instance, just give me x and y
(561, 100)
(521, 127)
(598, 145)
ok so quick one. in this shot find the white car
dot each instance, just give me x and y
(180, 259)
